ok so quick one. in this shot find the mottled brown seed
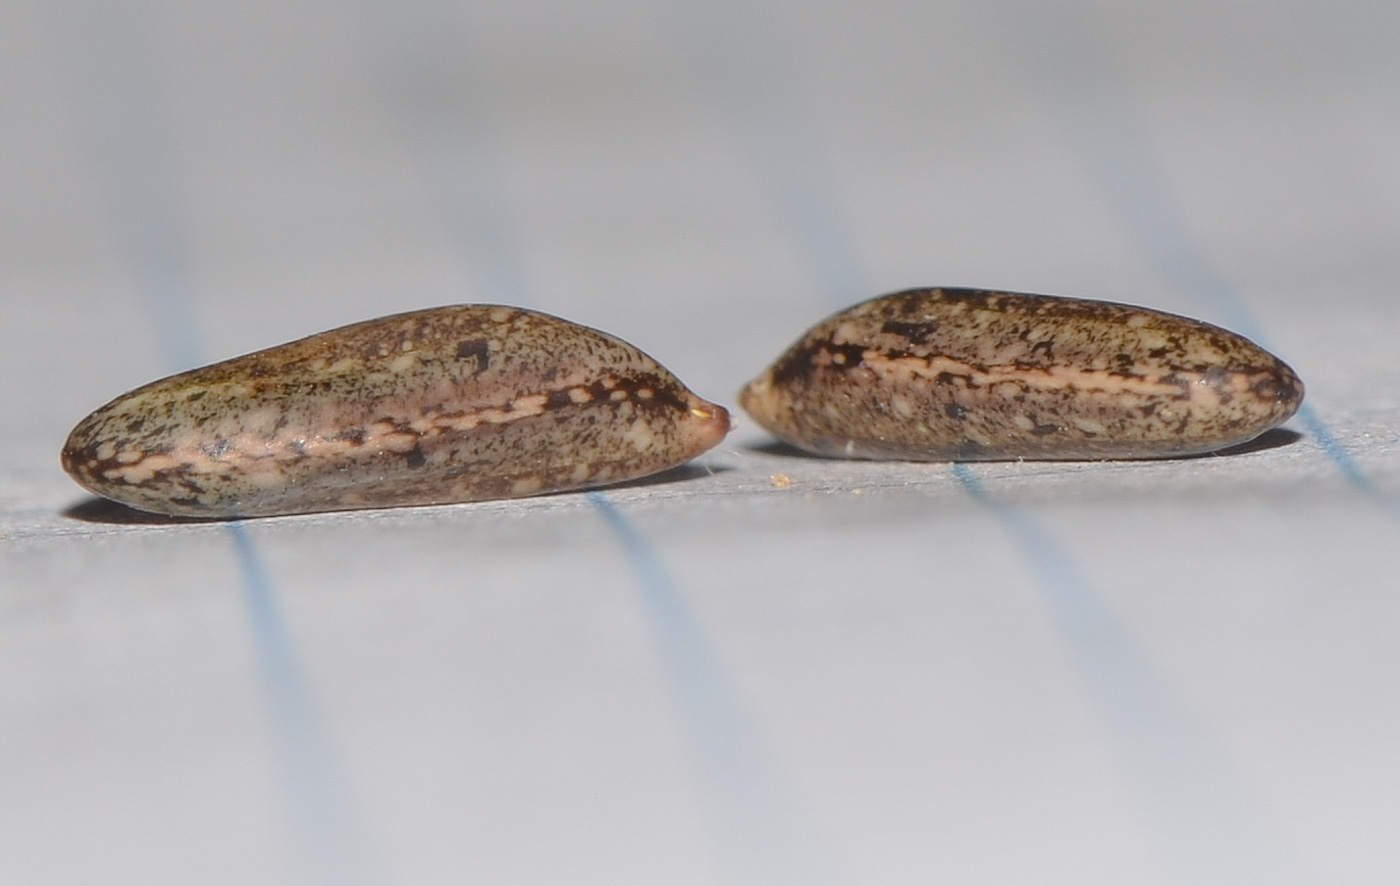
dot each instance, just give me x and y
(964, 374)
(453, 404)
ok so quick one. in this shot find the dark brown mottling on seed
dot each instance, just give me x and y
(451, 404)
(968, 374)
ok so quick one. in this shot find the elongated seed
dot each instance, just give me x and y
(965, 374)
(451, 404)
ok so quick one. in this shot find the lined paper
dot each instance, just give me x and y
(1161, 672)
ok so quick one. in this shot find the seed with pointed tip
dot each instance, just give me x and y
(452, 404)
(965, 374)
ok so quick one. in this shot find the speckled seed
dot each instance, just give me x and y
(964, 374)
(446, 405)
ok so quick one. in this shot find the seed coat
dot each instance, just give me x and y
(452, 404)
(976, 375)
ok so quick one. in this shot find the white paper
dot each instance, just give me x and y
(764, 668)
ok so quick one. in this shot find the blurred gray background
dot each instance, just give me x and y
(766, 669)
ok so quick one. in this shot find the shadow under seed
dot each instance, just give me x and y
(106, 511)
(1274, 438)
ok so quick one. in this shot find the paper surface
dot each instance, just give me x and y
(764, 668)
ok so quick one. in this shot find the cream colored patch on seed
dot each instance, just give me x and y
(260, 420)
(521, 407)
(331, 447)
(142, 471)
(343, 366)
(579, 395)
(1240, 383)
(580, 472)
(201, 463)
(400, 443)
(532, 404)
(1204, 394)
(904, 369)
(1149, 339)
(640, 435)
(162, 462)
(435, 424)
(847, 332)
(500, 315)
(976, 435)
(265, 474)
(527, 486)
(248, 449)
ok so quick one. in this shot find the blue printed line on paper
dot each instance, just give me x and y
(751, 829)
(1181, 781)
(1099, 118)
(321, 810)
(119, 97)
(765, 839)
(1202, 815)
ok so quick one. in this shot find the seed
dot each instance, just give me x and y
(451, 404)
(965, 375)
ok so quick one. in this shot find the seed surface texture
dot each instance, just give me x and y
(966, 375)
(451, 404)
